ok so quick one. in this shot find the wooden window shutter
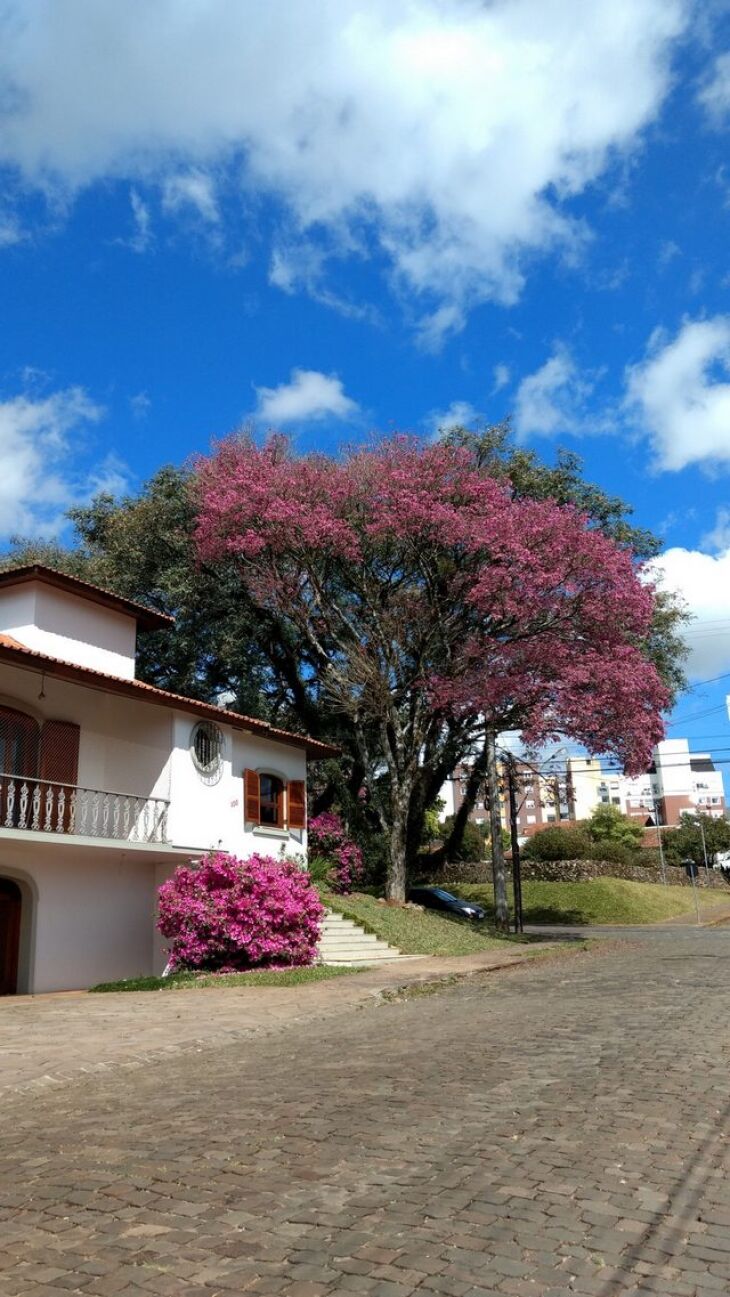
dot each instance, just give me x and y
(59, 764)
(60, 752)
(251, 797)
(297, 798)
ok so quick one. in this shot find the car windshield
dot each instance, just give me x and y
(444, 896)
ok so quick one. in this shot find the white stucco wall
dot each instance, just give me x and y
(212, 816)
(69, 627)
(87, 913)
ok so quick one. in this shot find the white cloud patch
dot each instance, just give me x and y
(140, 405)
(447, 135)
(40, 441)
(553, 399)
(703, 582)
(309, 395)
(140, 240)
(460, 414)
(501, 378)
(715, 93)
(191, 191)
(680, 394)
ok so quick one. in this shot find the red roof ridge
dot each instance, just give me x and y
(10, 649)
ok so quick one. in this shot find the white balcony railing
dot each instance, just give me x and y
(48, 807)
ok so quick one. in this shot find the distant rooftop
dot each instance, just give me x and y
(146, 618)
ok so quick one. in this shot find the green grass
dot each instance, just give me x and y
(602, 900)
(415, 932)
(194, 981)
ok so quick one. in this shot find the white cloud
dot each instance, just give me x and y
(501, 378)
(142, 237)
(460, 414)
(40, 440)
(448, 135)
(703, 582)
(715, 93)
(552, 400)
(680, 394)
(191, 190)
(140, 405)
(308, 395)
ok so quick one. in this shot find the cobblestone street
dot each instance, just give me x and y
(558, 1128)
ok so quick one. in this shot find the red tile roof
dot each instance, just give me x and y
(147, 618)
(18, 655)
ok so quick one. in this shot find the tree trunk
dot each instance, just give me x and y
(474, 784)
(395, 886)
(501, 908)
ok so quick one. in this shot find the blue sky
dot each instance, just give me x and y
(336, 216)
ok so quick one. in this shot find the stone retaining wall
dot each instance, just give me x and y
(574, 871)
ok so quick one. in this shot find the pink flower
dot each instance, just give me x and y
(222, 912)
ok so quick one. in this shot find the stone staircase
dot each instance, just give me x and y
(343, 942)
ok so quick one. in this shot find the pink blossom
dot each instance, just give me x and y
(222, 913)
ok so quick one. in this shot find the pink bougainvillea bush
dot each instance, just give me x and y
(327, 838)
(226, 914)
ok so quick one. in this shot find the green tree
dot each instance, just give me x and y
(609, 824)
(685, 842)
(142, 547)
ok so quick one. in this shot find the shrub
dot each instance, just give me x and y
(555, 843)
(230, 915)
(473, 845)
(617, 853)
(328, 842)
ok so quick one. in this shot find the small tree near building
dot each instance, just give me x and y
(608, 824)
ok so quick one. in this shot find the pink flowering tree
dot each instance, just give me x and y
(231, 915)
(328, 838)
(436, 607)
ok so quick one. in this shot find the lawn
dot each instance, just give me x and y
(602, 900)
(196, 981)
(413, 931)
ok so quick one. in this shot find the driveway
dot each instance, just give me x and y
(553, 1129)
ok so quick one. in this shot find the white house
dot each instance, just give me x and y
(107, 783)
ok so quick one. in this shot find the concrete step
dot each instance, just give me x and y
(343, 943)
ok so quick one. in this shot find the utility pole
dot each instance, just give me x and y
(659, 837)
(499, 873)
(704, 847)
(516, 864)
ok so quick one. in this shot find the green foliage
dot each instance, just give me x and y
(555, 843)
(431, 822)
(473, 846)
(685, 842)
(609, 825)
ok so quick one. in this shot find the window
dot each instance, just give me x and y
(206, 749)
(271, 801)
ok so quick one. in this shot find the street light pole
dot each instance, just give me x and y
(704, 848)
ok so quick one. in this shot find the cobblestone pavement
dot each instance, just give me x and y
(554, 1129)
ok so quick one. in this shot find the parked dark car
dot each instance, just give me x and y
(435, 898)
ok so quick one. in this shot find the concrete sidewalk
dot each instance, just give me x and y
(47, 1040)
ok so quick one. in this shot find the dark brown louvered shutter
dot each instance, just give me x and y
(251, 797)
(59, 764)
(297, 797)
(60, 752)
